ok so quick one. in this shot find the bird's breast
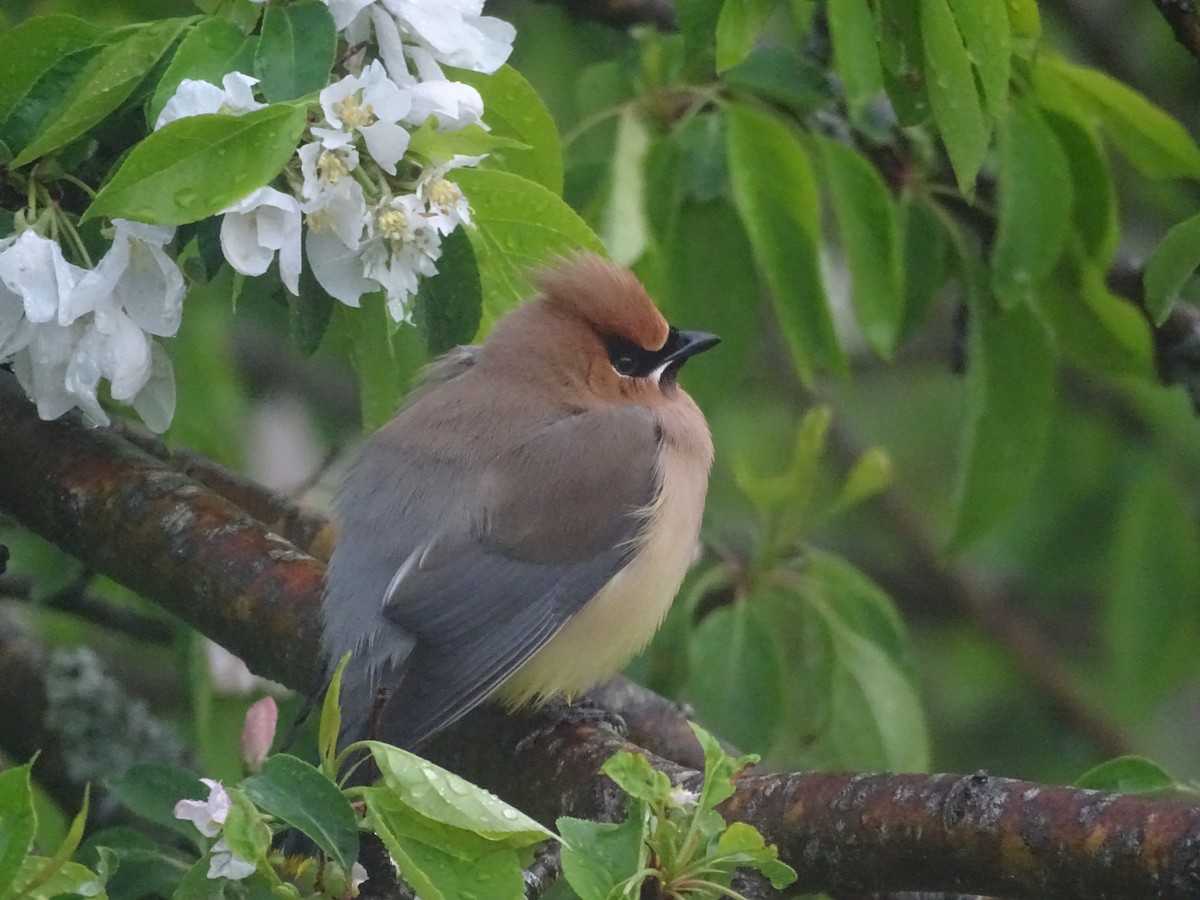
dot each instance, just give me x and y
(620, 619)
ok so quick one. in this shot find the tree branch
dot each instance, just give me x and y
(195, 554)
(127, 515)
(1184, 20)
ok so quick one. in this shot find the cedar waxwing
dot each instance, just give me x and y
(521, 526)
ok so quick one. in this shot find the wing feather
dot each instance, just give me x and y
(504, 557)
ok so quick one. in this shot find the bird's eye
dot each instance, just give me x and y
(624, 365)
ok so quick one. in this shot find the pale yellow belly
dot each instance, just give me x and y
(620, 620)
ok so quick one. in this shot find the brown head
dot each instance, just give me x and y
(594, 329)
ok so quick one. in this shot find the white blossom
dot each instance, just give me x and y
(92, 324)
(373, 105)
(453, 105)
(33, 268)
(41, 367)
(448, 207)
(337, 217)
(196, 98)
(682, 798)
(323, 167)
(207, 815)
(455, 32)
(224, 863)
(402, 246)
(135, 291)
(15, 330)
(155, 402)
(259, 225)
(345, 11)
(135, 276)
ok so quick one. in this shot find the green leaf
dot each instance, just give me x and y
(869, 227)
(449, 305)
(147, 867)
(208, 52)
(738, 27)
(597, 857)
(776, 196)
(103, 85)
(872, 474)
(878, 721)
(69, 879)
(196, 885)
(442, 862)
(152, 789)
(331, 720)
(985, 28)
(788, 492)
(44, 97)
(1128, 775)
(32, 48)
(1094, 210)
(1024, 18)
(736, 675)
(244, 828)
(860, 603)
(1171, 266)
(18, 824)
(444, 797)
(1034, 203)
(193, 168)
(295, 49)
(298, 794)
(1011, 386)
(743, 846)
(719, 769)
(950, 83)
(903, 59)
(781, 75)
(52, 869)
(516, 111)
(900, 38)
(697, 24)
(373, 355)
(1092, 327)
(520, 225)
(1154, 143)
(635, 776)
(855, 37)
(1150, 620)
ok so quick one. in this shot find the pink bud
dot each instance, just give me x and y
(258, 732)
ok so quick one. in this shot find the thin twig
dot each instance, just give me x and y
(75, 599)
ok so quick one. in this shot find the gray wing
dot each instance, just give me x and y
(481, 571)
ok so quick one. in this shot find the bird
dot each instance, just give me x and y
(520, 527)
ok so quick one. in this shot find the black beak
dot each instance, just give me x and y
(679, 347)
(683, 344)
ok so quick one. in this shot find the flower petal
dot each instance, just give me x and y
(155, 402)
(337, 268)
(34, 268)
(224, 863)
(386, 142)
